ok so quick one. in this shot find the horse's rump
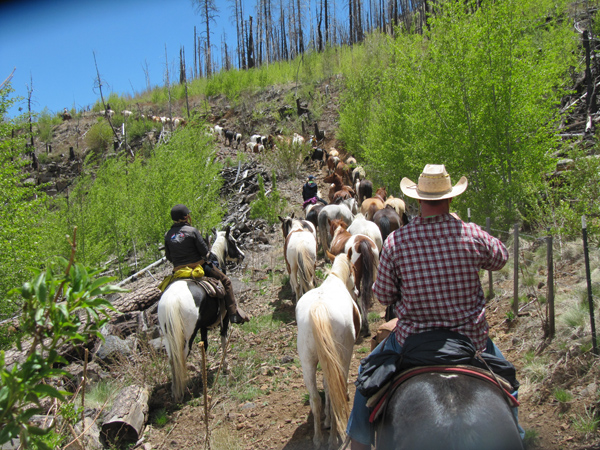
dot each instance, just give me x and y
(435, 411)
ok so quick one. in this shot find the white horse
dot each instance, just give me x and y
(360, 225)
(328, 324)
(300, 252)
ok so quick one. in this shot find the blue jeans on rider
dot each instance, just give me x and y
(359, 428)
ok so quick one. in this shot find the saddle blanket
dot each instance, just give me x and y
(378, 401)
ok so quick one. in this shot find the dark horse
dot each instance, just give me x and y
(448, 411)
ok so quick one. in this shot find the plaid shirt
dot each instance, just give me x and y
(429, 270)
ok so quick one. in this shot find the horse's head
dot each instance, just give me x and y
(286, 224)
(381, 193)
(332, 177)
(337, 226)
(233, 250)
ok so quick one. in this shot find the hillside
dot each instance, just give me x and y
(261, 403)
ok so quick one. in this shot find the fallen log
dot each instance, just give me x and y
(138, 300)
(127, 418)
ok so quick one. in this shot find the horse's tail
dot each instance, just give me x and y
(323, 221)
(171, 321)
(369, 273)
(306, 269)
(384, 226)
(333, 370)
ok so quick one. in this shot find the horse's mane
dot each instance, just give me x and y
(341, 267)
(219, 248)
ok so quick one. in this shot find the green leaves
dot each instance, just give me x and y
(58, 301)
(477, 93)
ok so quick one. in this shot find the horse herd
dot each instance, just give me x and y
(330, 318)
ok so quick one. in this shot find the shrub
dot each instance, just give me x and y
(268, 208)
(61, 305)
(99, 138)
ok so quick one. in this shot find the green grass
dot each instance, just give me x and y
(532, 438)
(586, 423)
(373, 317)
(562, 395)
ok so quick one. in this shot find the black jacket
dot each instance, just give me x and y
(309, 190)
(184, 245)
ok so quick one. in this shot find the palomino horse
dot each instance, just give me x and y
(360, 225)
(300, 252)
(328, 323)
(448, 411)
(371, 205)
(396, 203)
(329, 213)
(365, 259)
(183, 309)
(225, 248)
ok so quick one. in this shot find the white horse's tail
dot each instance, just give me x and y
(333, 370)
(306, 269)
(173, 330)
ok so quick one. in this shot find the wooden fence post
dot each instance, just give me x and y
(516, 271)
(550, 259)
(491, 294)
(589, 285)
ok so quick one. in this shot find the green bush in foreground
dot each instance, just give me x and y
(61, 305)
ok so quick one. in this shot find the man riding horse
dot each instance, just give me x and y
(429, 273)
(185, 247)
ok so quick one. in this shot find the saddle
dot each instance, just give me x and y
(378, 401)
(435, 350)
(310, 201)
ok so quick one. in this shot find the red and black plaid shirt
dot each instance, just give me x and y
(429, 270)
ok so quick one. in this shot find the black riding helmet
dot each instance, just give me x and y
(178, 212)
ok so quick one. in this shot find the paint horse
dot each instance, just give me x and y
(328, 324)
(365, 259)
(186, 308)
(300, 252)
(225, 248)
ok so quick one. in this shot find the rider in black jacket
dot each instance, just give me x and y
(185, 247)
(311, 190)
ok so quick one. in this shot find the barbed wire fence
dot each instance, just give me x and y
(531, 277)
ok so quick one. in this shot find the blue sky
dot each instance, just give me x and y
(52, 43)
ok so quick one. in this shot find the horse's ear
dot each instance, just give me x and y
(330, 255)
(227, 230)
(293, 215)
(281, 219)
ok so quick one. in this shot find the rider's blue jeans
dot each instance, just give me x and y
(359, 428)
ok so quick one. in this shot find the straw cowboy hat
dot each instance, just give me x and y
(434, 184)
